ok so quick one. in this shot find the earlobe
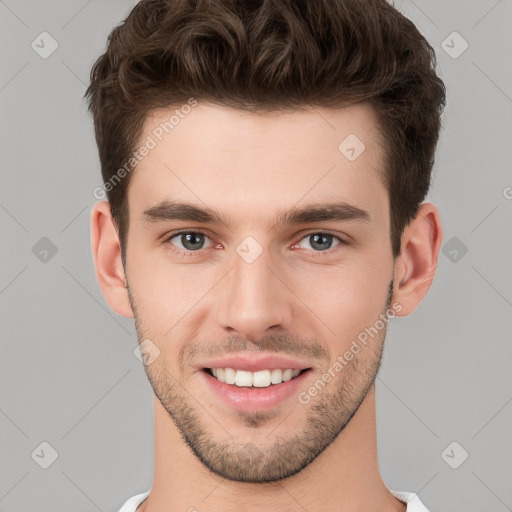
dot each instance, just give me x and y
(416, 265)
(106, 253)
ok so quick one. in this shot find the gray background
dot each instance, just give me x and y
(68, 373)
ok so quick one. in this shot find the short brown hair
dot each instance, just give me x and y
(262, 55)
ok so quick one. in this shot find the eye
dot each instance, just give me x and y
(188, 241)
(322, 241)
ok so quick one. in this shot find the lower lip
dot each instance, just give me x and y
(254, 399)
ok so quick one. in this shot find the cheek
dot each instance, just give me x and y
(347, 299)
(337, 300)
(168, 296)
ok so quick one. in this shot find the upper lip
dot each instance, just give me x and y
(256, 363)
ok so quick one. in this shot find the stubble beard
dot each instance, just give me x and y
(238, 458)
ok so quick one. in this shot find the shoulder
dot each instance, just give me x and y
(412, 500)
(132, 503)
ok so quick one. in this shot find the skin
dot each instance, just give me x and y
(291, 299)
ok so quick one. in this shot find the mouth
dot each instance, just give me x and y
(259, 379)
(254, 391)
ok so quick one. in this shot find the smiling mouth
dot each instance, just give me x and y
(259, 379)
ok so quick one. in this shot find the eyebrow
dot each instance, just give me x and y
(320, 212)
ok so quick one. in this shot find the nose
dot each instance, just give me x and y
(254, 300)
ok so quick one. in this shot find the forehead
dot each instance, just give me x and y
(226, 158)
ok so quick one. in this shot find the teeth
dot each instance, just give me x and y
(229, 376)
(243, 378)
(287, 375)
(260, 379)
(276, 376)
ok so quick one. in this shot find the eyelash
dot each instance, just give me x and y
(185, 254)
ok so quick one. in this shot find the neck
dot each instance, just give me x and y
(344, 478)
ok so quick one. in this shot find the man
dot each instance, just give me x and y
(265, 164)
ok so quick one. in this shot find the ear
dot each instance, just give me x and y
(106, 253)
(416, 265)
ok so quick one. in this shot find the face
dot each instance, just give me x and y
(258, 252)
